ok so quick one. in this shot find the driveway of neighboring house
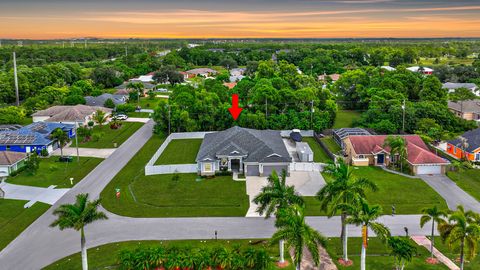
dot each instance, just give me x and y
(452, 193)
(137, 119)
(48, 195)
(85, 152)
(306, 183)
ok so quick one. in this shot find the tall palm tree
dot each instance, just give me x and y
(76, 216)
(297, 234)
(365, 215)
(61, 137)
(398, 148)
(462, 231)
(276, 195)
(435, 215)
(345, 189)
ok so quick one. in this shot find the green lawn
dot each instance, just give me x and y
(319, 154)
(147, 103)
(409, 195)
(377, 255)
(139, 114)
(160, 196)
(110, 136)
(331, 144)
(105, 256)
(14, 218)
(182, 151)
(345, 118)
(454, 255)
(52, 172)
(468, 180)
(446, 61)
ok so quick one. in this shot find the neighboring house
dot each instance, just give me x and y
(144, 78)
(423, 70)
(146, 86)
(368, 150)
(237, 74)
(451, 87)
(80, 114)
(388, 68)
(230, 85)
(11, 162)
(187, 76)
(204, 72)
(100, 100)
(34, 137)
(333, 77)
(470, 142)
(468, 109)
(249, 151)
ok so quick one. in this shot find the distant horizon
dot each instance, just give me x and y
(234, 38)
(253, 19)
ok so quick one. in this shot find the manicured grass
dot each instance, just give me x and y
(446, 61)
(455, 254)
(147, 103)
(182, 151)
(377, 255)
(319, 154)
(14, 218)
(468, 180)
(52, 172)
(345, 118)
(138, 114)
(110, 136)
(105, 256)
(160, 196)
(331, 144)
(409, 195)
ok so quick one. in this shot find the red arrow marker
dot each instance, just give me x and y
(235, 110)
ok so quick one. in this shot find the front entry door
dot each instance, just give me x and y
(235, 165)
(380, 158)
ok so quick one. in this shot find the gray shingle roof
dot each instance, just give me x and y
(473, 140)
(450, 85)
(255, 145)
(469, 106)
(100, 100)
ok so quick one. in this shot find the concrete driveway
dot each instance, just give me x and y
(452, 193)
(306, 183)
(137, 119)
(86, 152)
(48, 195)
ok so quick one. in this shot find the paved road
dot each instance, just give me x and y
(452, 193)
(39, 245)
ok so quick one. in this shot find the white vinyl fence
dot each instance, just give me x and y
(152, 169)
(306, 167)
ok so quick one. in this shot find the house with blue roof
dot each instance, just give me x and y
(34, 137)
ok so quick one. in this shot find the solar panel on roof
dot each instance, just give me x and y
(16, 139)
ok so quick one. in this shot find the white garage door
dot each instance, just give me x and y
(434, 169)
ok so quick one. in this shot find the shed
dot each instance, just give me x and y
(304, 152)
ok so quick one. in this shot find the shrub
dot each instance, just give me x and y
(97, 135)
(44, 153)
(109, 103)
(125, 108)
(32, 164)
(90, 123)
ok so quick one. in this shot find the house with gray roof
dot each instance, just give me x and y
(100, 100)
(249, 151)
(467, 109)
(466, 146)
(451, 87)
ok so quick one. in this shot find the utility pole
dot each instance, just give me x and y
(311, 115)
(403, 122)
(169, 118)
(266, 107)
(76, 141)
(126, 50)
(17, 97)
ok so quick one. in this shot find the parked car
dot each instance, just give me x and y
(120, 117)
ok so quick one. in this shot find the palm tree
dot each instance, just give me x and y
(435, 215)
(297, 233)
(61, 137)
(276, 195)
(345, 189)
(77, 216)
(462, 231)
(402, 250)
(398, 147)
(100, 117)
(365, 215)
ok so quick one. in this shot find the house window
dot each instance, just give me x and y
(8, 148)
(207, 167)
(361, 156)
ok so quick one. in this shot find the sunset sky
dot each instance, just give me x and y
(49, 19)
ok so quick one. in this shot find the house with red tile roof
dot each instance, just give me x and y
(369, 150)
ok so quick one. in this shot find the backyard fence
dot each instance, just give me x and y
(152, 169)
